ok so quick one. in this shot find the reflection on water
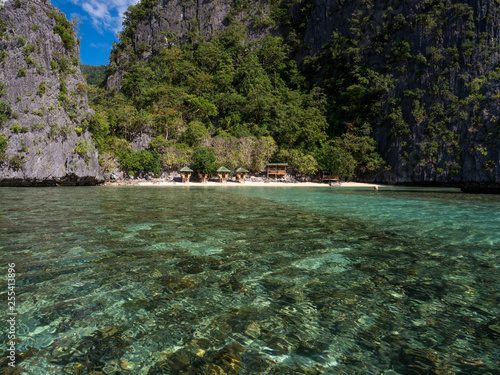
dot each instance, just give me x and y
(252, 280)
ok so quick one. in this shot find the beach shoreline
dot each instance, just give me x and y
(164, 183)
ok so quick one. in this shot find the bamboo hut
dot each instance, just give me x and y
(241, 174)
(327, 176)
(223, 174)
(185, 173)
(203, 176)
(276, 169)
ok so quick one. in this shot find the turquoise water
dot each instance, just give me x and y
(197, 280)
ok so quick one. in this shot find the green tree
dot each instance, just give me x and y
(121, 116)
(203, 160)
(350, 152)
(337, 160)
(99, 128)
(176, 156)
(94, 75)
(301, 162)
(300, 128)
(143, 161)
(262, 152)
(195, 134)
(167, 120)
(134, 81)
(201, 108)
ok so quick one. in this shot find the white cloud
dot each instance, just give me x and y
(106, 15)
(103, 46)
(79, 16)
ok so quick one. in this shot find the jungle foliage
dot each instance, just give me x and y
(247, 102)
(94, 75)
(250, 103)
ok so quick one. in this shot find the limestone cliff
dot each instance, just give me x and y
(43, 100)
(439, 119)
(168, 22)
(439, 123)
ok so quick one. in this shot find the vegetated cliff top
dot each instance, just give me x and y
(43, 98)
(152, 25)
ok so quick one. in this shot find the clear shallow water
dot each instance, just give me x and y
(253, 280)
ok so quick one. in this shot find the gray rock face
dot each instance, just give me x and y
(455, 140)
(445, 89)
(140, 141)
(43, 100)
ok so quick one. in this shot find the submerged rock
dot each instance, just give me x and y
(44, 112)
(424, 361)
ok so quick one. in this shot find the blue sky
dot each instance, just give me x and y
(100, 22)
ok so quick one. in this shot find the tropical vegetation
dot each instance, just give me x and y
(254, 102)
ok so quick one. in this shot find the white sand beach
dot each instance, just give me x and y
(237, 184)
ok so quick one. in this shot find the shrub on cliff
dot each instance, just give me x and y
(5, 113)
(3, 145)
(63, 28)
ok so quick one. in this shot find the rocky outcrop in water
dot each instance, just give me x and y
(44, 109)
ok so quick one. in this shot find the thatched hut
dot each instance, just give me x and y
(241, 174)
(185, 173)
(223, 174)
